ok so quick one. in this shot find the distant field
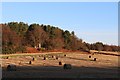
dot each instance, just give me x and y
(82, 65)
(106, 52)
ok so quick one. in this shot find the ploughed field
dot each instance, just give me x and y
(50, 65)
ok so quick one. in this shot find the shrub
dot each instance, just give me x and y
(42, 49)
(21, 49)
(8, 50)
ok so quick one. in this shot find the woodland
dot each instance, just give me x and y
(18, 36)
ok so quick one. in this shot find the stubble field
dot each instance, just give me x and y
(105, 66)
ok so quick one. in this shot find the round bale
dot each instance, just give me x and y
(7, 57)
(11, 67)
(44, 58)
(65, 55)
(60, 63)
(56, 57)
(89, 56)
(52, 56)
(94, 59)
(30, 62)
(33, 59)
(67, 66)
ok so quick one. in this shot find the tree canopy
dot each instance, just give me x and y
(17, 36)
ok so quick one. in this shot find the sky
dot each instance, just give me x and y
(91, 21)
(60, 0)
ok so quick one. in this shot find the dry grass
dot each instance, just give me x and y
(77, 59)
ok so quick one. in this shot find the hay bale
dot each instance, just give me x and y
(89, 56)
(56, 57)
(94, 59)
(60, 63)
(30, 62)
(44, 58)
(52, 56)
(67, 66)
(7, 57)
(34, 59)
(11, 67)
(65, 55)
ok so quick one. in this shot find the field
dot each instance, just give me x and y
(105, 66)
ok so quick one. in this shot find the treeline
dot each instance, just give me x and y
(17, 36)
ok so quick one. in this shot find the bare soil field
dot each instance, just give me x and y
(105, 66)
